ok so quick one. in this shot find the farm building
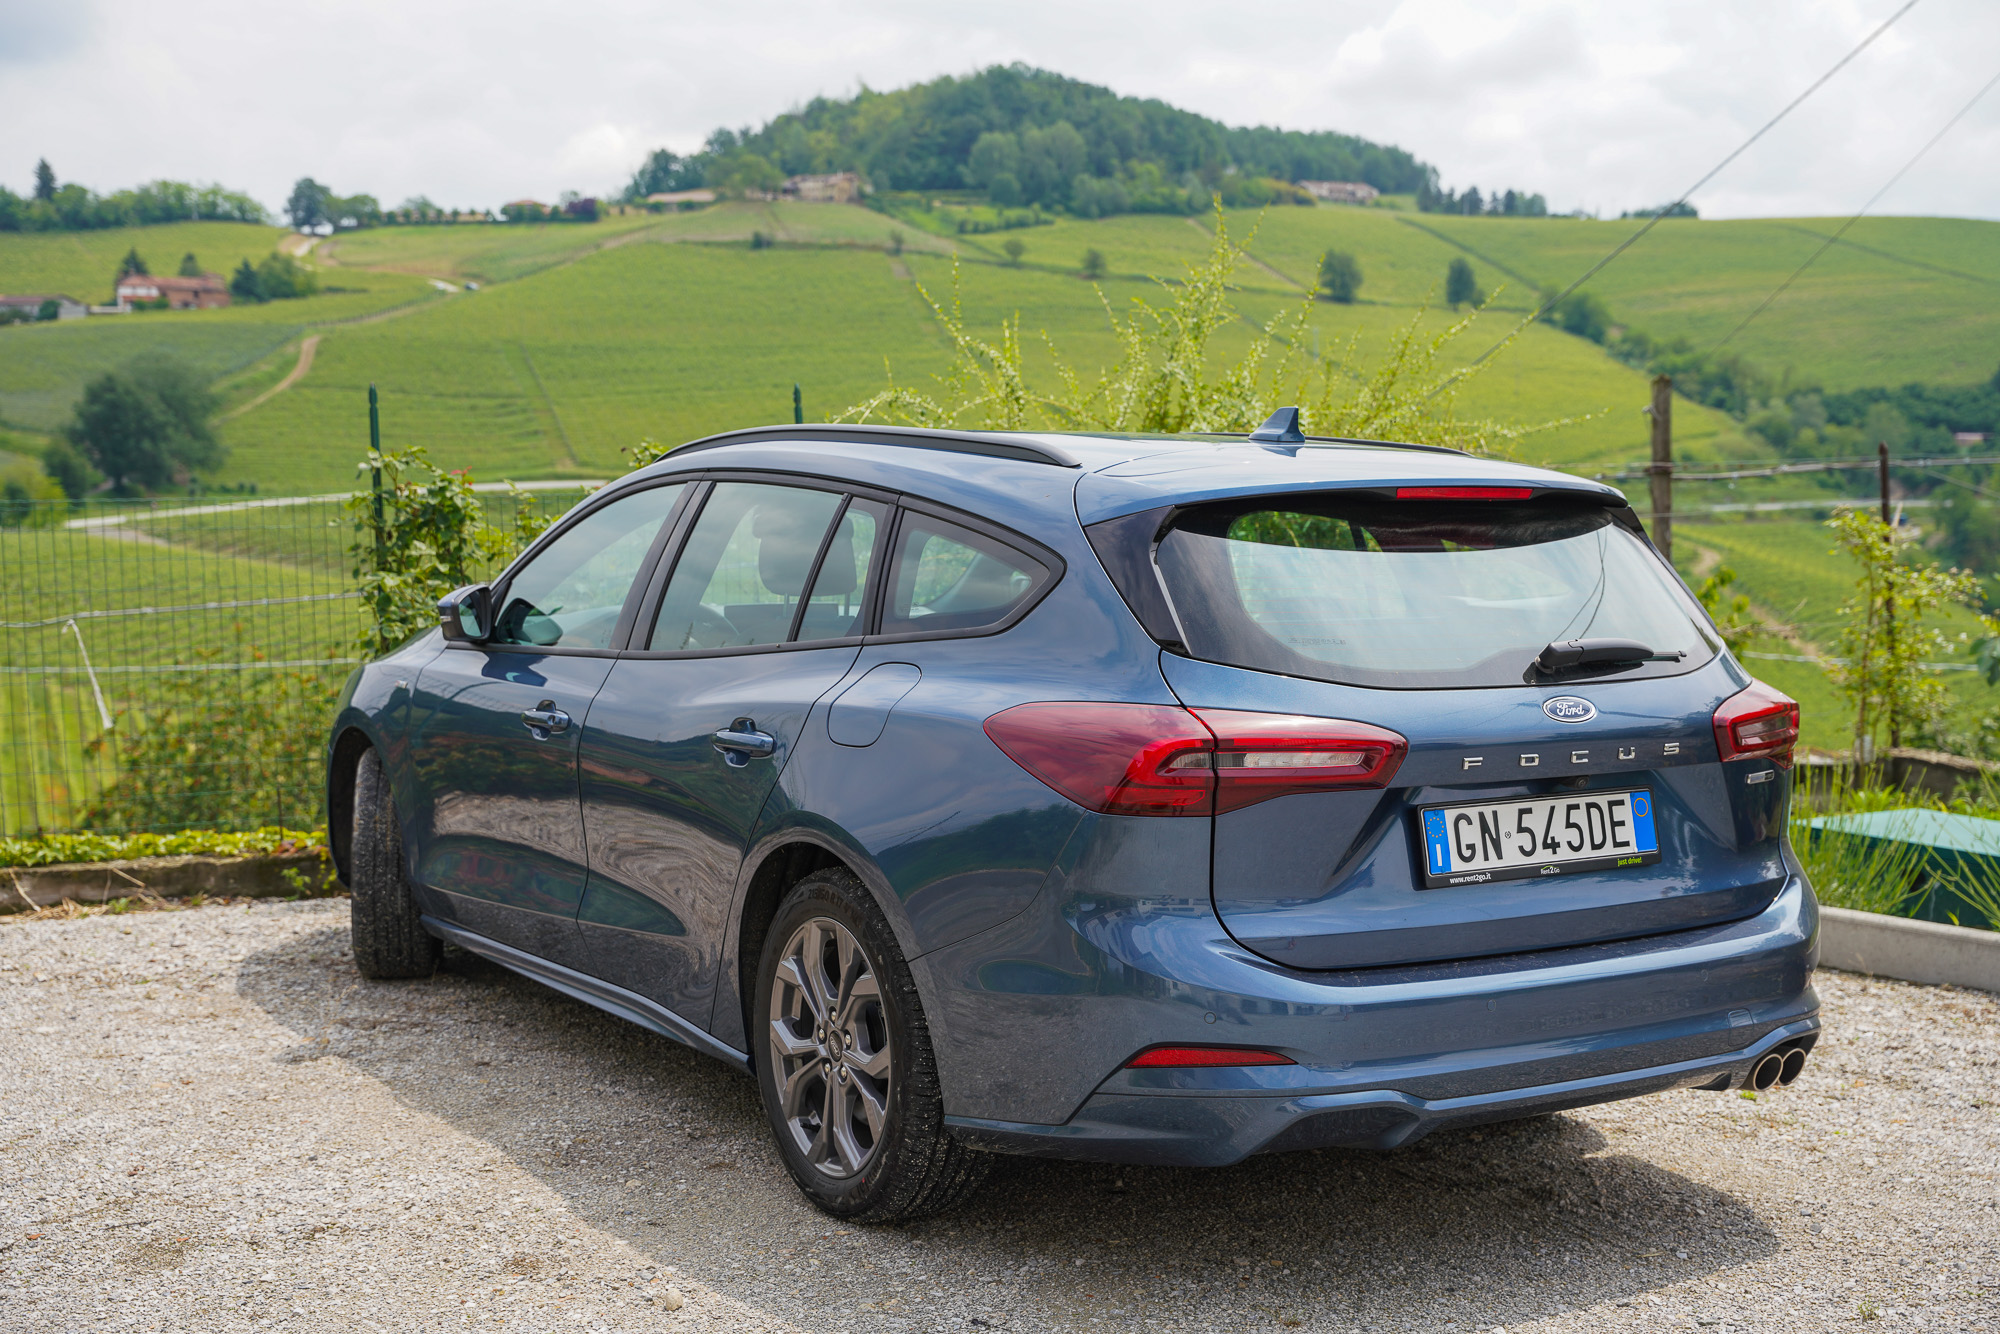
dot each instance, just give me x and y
(1339, 192)
(67, 307)
(202, 293)
(842, 187)
(679, 198)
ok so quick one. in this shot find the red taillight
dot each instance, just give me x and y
(1757, 723)
(1263, 755)
(1183, 1058)
(1119, 759)
(1156, 759)
(1464, 492)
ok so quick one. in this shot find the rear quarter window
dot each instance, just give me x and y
(948, 578)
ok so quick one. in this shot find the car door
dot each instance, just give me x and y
(495, 835)
(762, 614)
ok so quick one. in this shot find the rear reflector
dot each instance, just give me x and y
(1464, 492)
(1757, 723)
(1157, 759)
(1183, 1058)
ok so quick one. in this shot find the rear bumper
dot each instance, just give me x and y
(1033, 1023)
(1209, 1130)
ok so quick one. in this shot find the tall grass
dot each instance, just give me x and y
(1870, 875)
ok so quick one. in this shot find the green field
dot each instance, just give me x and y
(1898, 299)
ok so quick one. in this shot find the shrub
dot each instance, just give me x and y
(180, 765)
(422, 535)
(1093, 264)
(1339, 276)
(1460, 287)
(1015, 248)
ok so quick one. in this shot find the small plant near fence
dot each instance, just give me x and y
(419, 532)
(1884, 646)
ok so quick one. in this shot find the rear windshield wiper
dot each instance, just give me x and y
(1571, 655)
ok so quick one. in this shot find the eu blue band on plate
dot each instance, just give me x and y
(1438, 848)
(1642, 823)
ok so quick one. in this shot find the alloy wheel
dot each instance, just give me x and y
(830, 1048)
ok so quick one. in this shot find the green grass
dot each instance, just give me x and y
(1899, 299)
(557, 373)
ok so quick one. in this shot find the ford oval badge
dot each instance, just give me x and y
(1569, 709)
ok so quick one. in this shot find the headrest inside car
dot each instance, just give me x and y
(785, 551)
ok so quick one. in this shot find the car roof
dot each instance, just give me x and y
(1009, 475)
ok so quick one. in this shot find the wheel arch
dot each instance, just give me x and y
(780, 861)
(343, 764)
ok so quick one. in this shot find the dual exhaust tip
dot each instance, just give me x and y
(1778, 1067)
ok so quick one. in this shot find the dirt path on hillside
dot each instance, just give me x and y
(1707, 560)
(297, 373)
(1282, 277)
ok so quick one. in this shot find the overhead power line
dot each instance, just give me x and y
(1818, 465)
(1710, 175)
(1825, 245)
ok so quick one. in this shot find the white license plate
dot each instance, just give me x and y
(1561, 835)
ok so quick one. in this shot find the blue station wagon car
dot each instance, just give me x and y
(1149, 799)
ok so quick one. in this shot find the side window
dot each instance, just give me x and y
(744, 568)
(572, 592)
(834, 609)
(951, 578)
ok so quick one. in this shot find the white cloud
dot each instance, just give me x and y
(478, 101)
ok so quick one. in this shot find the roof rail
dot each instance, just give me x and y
(1026, 448)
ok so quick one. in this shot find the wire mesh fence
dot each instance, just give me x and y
(169, 665)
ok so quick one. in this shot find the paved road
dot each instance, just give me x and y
(208, 1122)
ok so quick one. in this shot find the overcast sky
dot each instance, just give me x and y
(1600, 106)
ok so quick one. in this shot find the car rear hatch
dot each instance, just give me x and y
(1456, 721)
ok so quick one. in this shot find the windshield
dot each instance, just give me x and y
(1420, 595)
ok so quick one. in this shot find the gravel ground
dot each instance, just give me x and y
(208, 1122)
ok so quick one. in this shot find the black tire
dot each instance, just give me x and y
(389, 940)
(913, 1167)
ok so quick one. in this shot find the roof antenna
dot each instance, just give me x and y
(1281, 429)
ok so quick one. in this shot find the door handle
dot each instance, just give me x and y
(741, 742)
(544, 720)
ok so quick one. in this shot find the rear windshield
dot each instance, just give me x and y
(1420, 595)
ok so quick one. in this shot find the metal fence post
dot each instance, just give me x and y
(375, 473)
(798, 406)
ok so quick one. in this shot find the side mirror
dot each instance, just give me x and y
(466, 614)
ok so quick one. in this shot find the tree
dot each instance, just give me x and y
(307, 206)
(1093, 264)
(49, 310)
(1460, 288)
(190, 267)
(45, 181)
(1884, 646)
(280, 277)
(1339, 276)
(70, 469)
(1581, 313)
(243, 284)
(132, 264)
(1015, 248)
(140, 425)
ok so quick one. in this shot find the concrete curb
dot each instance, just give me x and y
(25, 887)
(1912, 951)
